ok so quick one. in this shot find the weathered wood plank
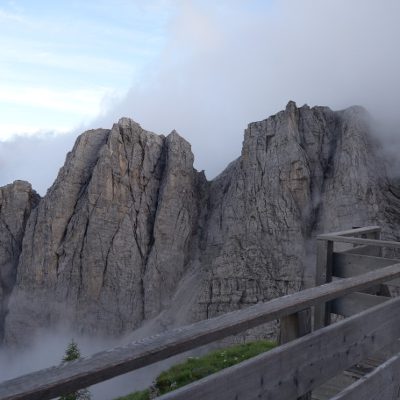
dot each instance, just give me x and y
(52, 382)
(365, 250)
(288, 329)
(292, 327)
(293, 369)
(354, 303)
(343, 380)
(375, 235)
(324, 262)
(355, 231)
(346, 265)
(333, 386)
(381, 384)
(372, 242)
(323, 274)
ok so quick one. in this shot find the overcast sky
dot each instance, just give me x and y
(204, 68)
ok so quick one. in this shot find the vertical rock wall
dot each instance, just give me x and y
(16, 203)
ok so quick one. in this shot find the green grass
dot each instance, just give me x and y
(195, 368)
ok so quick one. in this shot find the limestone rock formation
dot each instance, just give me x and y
(302, 172)
(131, 232)
(107, 245)
(16, 203)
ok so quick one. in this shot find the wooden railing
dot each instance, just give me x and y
(290, 371)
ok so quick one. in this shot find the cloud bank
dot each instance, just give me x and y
(238, 62)
(226, 64)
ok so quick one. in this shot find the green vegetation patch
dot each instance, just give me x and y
(195, 368)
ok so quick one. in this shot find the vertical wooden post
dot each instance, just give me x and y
(382, 289)
(292, 327)
(376, 235)
(323, 275)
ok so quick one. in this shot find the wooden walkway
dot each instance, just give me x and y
(336, 385)
(354, 358)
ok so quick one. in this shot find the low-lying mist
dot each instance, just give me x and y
(48, 348)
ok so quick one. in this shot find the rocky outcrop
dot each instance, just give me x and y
(109, 242)
(16, 203)
(302, 172)
(130, 232)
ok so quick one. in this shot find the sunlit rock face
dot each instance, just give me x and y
(108, 244)
(130, 234)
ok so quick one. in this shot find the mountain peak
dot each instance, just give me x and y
(291, 106)
(125, 122)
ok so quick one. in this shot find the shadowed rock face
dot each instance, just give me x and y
(130, 232)
(16, 203)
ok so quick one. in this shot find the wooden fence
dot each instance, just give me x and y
(350, 283)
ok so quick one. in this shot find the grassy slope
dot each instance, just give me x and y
(195, 368)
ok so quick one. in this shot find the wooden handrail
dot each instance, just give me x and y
(354, 231)
(52, 382)
(361, 241)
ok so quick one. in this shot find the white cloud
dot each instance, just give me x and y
(35, 159)
(83, 101)
(335, 53)
(32, 52)
(60, 64)
(228, 63)
(9, 131)
(10, 16)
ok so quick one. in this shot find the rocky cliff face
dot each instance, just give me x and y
(130, 232)
(109, 242)
(301, 172)
(16, 203)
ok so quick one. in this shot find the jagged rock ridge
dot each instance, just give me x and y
(130, 231)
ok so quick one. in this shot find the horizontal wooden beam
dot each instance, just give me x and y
(355, 231)
(372, 242)
(364, 250)
(346, 264)
(291, 370)
(52, 382)
(355, 303)
(380, 384)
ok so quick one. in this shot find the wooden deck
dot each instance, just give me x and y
(346, 378)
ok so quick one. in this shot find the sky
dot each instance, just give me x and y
(205, 68)
(61, 61)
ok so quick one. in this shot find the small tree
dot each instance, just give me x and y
(72, 353)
